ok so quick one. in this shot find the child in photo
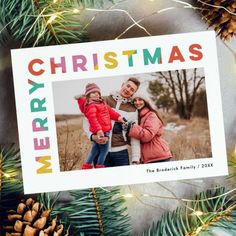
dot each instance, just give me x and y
(99, 116)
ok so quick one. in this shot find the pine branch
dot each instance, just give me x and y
(42, 22)
(10, 167)
(94, 212)
(209, 211)
(49, 202)
(35, 23)
(11, 187)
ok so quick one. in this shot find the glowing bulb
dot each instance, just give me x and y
(52, 18)
(128, 195)
(199, 229)
(75, 11)
(197, 213)
(7, 175)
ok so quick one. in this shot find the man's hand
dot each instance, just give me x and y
(100, 134)
(98, 140)
(121, 120)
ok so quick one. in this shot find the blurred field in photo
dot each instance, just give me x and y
(188, 139)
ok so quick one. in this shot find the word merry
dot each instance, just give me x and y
(39, 126)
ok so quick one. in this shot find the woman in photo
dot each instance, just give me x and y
(149, 130)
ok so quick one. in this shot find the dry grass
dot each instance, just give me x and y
(189, 143)
(73, 144)
(171, 118)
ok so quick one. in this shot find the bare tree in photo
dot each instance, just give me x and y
(180, 86)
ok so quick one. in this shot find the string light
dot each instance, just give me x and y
(76, 11)
(135, 22)
(121, 10)
(197, 213)
(51, 19)
(199, 229)
(215, 6)
(127, 195)
(94, 17)
(186, 5)
(5, 174)
(182, 201)
(130, 195)
(218, 214)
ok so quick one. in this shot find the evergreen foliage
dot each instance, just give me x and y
(31, 23)
(93, 212)
(11, 187)
(39, 22)
(209, 211)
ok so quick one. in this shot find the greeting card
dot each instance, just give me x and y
(119, 112)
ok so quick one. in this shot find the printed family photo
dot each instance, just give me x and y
(132, 119)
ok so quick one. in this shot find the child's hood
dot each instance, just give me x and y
(81, 102)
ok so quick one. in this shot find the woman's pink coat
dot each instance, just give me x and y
(153, 147)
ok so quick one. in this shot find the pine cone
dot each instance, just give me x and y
(30, 219)
(215, 14)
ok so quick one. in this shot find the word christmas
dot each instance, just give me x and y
(112, 60)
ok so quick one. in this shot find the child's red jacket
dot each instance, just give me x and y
(98, 113)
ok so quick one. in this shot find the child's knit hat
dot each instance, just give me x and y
(91, 87)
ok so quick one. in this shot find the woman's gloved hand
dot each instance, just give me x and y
(127, 126)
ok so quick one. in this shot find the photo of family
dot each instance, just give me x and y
(132, 119)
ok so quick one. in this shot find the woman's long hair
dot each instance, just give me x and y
(148, 105)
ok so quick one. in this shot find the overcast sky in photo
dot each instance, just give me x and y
(64, 91)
